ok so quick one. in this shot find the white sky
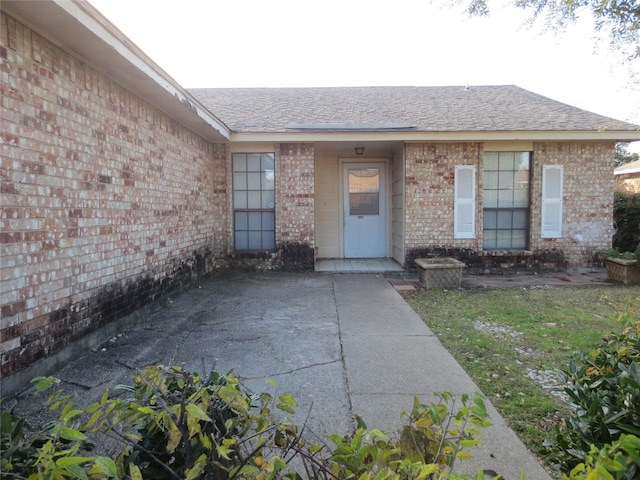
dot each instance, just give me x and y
(297, 43)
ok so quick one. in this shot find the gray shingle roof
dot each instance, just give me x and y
(426, 109)
(632, 167)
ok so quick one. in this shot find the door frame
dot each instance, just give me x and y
(387, 201)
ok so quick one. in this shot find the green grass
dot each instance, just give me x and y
(497, 335)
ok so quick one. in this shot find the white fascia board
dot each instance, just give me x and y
(417, 137)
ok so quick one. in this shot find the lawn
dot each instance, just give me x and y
(511, 341)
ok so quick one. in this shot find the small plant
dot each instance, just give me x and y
(56, 450)
(614, 253)
(181, 425)
(604, 388)
(430, 442)
(619, 460)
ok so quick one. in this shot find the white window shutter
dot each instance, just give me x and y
(464, 224)
(552, 176)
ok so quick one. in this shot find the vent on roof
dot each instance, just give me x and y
(350, 127)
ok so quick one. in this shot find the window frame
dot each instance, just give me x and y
(253, 201)
(506, 175)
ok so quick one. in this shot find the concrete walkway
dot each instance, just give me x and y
(341, 344)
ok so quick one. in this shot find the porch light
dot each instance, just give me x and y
(359, 150)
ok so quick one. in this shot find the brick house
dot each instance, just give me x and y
(628, 177)
(119, 185)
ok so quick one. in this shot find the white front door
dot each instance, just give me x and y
(364, 210)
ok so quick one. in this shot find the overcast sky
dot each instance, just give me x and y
(297, 43)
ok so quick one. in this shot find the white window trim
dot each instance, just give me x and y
(551, 215)
(464, 202)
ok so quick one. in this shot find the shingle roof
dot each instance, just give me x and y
(426, 109)
(632, 167)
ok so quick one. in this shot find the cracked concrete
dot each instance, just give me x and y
(340, 344)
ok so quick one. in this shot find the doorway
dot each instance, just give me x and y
(364, 210)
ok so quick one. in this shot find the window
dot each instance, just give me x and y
(506, 200)
(254, 201)
(364, 191)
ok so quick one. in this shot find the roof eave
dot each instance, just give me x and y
(417, 136)
(84, 32)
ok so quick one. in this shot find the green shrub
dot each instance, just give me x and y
(180, 425)
(56, 450)
(626, 213)
(604, 389)
(619, 460)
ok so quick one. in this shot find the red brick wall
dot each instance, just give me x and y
(107, 202)
(587, 198)
(295, 192)
(587, 205)
(430, 169)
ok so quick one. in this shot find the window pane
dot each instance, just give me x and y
(507, 160)
(490, 239)
(504, 220)
(521, 198)
(520, 219)
(239, 181)
(240, 199)
(253, 181)
(242, 240)
(239, 163)
(268, 199)
(253, 200)
(491, 199)
(519, 239)
(255, 240)
(490, 219)
(505, 180)
(490, 180)
(522, 161)
(241, 221)
(268, 221)
(505, 198)
(253, 163)
(268, 241)
(364, 180)
(255, 221)
(503, 240)
(268, 180)
(364, 204)
(268, 162)
(490, 161)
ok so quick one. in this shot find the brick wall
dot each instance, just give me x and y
(107, 202)
(429, 193)
(587, 206)
(628, 183)
(295, 194)
(587, 200)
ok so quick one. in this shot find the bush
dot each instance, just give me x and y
(180, 425)
(604, 388)
(613, 461)
(626, 213)
(56, 450)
